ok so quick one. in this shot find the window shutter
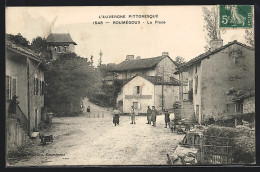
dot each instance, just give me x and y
(44, 88)
(134, 90)
(8, 84)
(34, 87)
(139, 105)
(14, 86)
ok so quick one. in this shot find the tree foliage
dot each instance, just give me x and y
(249, 37)
(179, 60)
(69, 79)
(19, 40)
(39, 45)
(210, 17)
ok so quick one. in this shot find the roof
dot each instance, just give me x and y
(243, 95)
(207, 54)
(25, 52)
(158, 80)
(138, 64)
(60, 38)
(109, 78)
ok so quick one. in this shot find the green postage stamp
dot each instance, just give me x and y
(235, 16)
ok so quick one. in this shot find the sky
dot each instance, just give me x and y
(181, 35)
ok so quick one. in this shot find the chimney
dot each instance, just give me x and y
(130, 57)
(165, 54)
(215, 44)
(138, 58)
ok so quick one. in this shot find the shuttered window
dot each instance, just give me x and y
(196, 84)
(137, 90)
(11, 87)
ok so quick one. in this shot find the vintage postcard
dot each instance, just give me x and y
(130, 85)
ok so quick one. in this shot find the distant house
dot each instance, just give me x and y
(156, 66)
(215, 76)
(142, 91)
(60, 43)
(25, 79)
(109, 80)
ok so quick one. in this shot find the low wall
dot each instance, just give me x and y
(15, 136)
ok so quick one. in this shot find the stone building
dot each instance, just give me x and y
(60, 43)
(156, 66)
(215, 77)
(149, 81)
(142, 91)
(25, 79)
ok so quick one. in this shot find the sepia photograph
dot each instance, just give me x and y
(165, 85)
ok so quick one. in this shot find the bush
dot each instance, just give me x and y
(241, 139)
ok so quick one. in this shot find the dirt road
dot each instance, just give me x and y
(96, 141)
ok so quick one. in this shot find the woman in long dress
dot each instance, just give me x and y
(116, 115)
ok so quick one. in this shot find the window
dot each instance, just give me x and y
(55, 48)
(196, 84)
(137, 105)
(231, 108)
(137, 90)
(11, 87)
(196, 69)
(36, 118)
(59, 49)
(239, 107)
(65, 48)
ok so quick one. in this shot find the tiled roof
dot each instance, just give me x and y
(109, 78)
(207, 54)
(243, 95)
(139, 64)
(31, 54)
(59, 38)
(158, 80)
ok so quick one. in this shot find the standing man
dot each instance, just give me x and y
(166, 118)
(149, 112)
(88, 111)
(153, 116)
(132, 113)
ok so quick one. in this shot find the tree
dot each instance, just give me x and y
(91, 60)
(39, 45)
(69, 80)
(100, 58)
(179, 60)
(249, 37)
(210, 17)
(18, 39)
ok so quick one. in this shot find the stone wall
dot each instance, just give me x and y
(15, 136)
(249, 105)
(36, 101)
(230, 69)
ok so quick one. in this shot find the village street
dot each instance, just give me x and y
(96, 141)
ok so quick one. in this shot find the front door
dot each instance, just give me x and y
(36, 118)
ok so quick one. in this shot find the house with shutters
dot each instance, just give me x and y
(142, 91)
(25, 79)
(60, 43)
(148, 81)
(156, 66)
(215, 78)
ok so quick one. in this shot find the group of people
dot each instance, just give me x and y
(151, 116)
